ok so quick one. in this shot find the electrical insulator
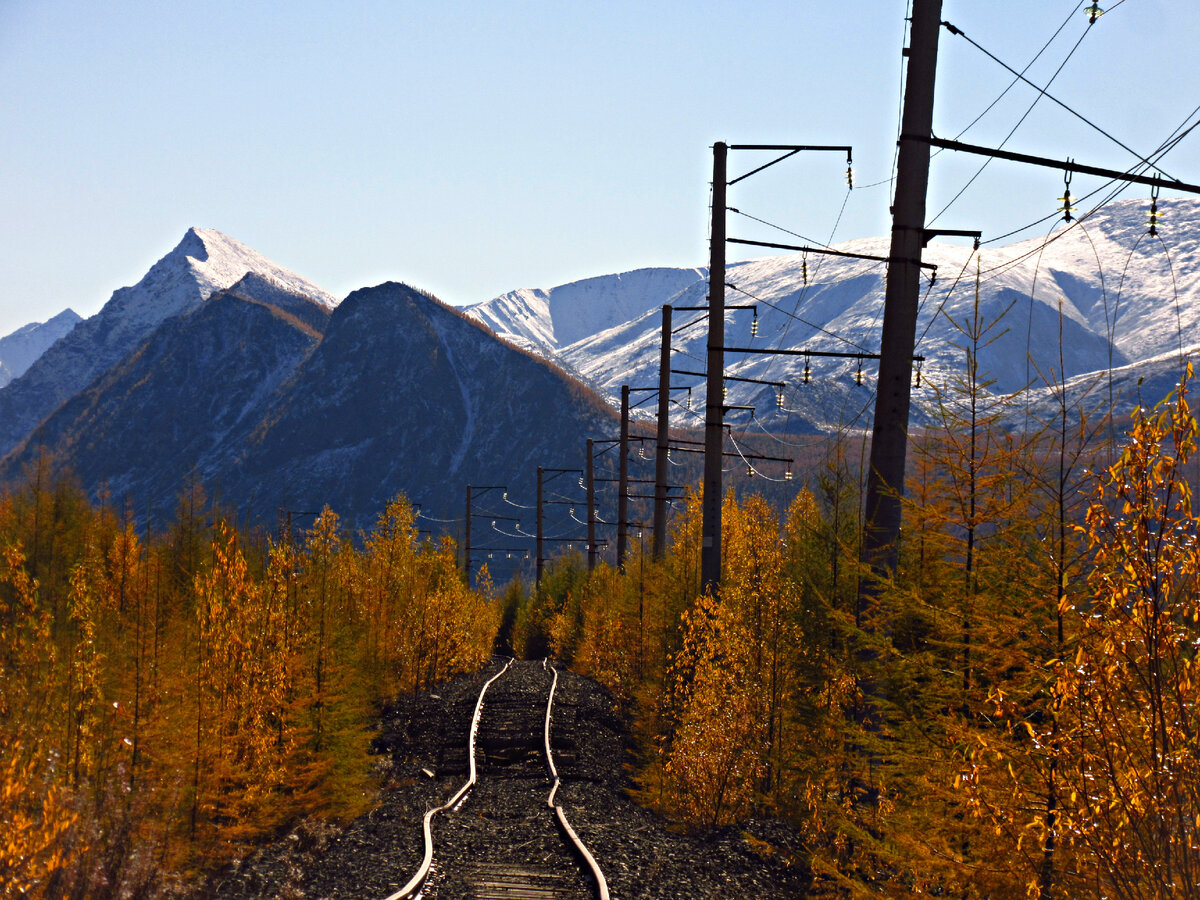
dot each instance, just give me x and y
(724, 393)
(804, 268)
(570, 510)
(858, 374)
(1066, 209)
(749, 471)
(779, 399)
(754, 325)
(849, 178)
(787, 476)
(807, 371)
(918, 374)
(1094, 12)
(1155, 218)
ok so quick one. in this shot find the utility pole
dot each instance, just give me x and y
(889, 442)
(541, 560)
(591, 507)
(663, 447)
(467, 540)
(714, 413)
(623, 481)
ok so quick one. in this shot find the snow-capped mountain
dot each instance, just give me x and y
(1125, 297)
(545, 321)
(274, 403)
(185, 402)
(19, 350)
(204, 262)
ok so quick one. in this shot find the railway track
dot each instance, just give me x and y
(502, 834)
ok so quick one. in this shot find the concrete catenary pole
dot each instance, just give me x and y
(714, 411)
(662, 438)
(889, 443)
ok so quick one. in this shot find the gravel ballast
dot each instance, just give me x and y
(505, 820)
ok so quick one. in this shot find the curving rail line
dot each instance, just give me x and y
(418, 879)
(576, 845)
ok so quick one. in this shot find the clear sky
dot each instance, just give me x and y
(471, 148)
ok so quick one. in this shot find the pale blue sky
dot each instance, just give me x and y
(471, 148)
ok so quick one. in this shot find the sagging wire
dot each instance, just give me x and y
(1175, 288)
(796, 234)
(799, 319)
(945, 297)
(1029, 326)
(504, 497)
(421, 515)
(519, 535)
(752, 472)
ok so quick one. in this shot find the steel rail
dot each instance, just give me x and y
(580, 848)
(422, 873)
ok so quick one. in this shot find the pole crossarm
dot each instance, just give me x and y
(727, 306)
(1068, 165)
(930, 233)
(778, 384)
(824, 252)
(825, 353)
(791, 150)
(733, 455)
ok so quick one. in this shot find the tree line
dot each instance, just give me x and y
(1017, 714)
(168, 701)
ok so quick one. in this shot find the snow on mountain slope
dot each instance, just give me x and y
(185, 401)
(1124, 295)
(545, 320)
(204, 262)
(19, 350)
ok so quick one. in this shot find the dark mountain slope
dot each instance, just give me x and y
(405, 394)
(185, 400)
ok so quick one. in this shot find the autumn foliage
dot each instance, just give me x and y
(1018, 718)
(167, 701)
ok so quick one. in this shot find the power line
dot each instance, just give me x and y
(1043, 92)
(1020, 121)
(1016, 79)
